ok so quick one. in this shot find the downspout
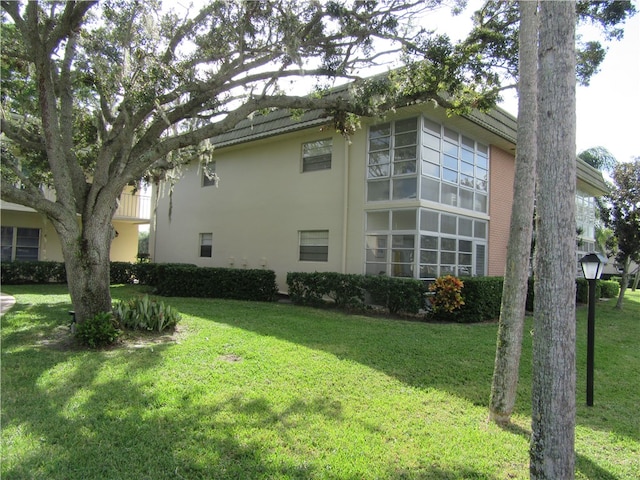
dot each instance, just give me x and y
(345, 205)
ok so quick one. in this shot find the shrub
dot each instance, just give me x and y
(150, 273)
(398, 295)
(313, 289)
(98, 331)
(582, 290)
(348, 291)
(32, 272)
(609, 288)
(233, 283)
(446, 296)
(121, 272)
(308, 288)
(142, 313)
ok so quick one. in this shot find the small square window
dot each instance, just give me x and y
(206, 245)
(317, 155)
(314, 246)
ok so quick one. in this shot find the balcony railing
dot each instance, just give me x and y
(132, 207)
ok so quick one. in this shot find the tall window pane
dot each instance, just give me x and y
(378, 191)
(27, 244)
(403, 220)
(461, 163)
(7, 244)
(206, 244)
(377, 221)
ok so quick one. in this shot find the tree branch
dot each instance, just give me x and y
(24, 138)
(69, 22)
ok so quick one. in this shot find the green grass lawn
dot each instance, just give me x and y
(271, 391)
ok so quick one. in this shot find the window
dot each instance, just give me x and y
(454, 168)
(417, 156)
(314, 245)
(206, 245)
(585, 215)
(392, 160)
(20, 243)
(317, 155)
(424, 244)
(209, 176)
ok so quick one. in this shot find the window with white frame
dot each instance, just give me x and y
(392, 160)
(425, 244)
(586, 215)
(20, 243)
(418, 155)
(209, 176)
(206, 245)
(455, 168)
(313, 245)
(317, 155)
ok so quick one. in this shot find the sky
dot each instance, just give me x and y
(608, 110)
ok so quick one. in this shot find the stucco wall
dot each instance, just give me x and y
(263, 200)
(501, 183)
(124, 247)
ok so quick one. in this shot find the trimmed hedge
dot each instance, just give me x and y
(604, 289)
(312, 289)
(352, 291)
(482, 298)
(190, 281)
(398, 295)
(482, 295)
(122, 272)
(32, 272)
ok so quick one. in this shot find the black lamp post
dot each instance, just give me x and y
(592, 266)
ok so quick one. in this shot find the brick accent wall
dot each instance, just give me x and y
(501, 198)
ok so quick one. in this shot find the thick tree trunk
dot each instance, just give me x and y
(86, 248)
(552, 453)
(514, 292)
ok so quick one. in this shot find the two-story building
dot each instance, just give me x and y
(28, 235)
(417, 194)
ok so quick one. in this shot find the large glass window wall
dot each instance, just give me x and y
(418, 157)
(425, 244)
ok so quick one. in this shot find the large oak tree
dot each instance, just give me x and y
(96, 96)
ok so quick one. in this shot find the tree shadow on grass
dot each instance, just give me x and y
(75, 424)
(455, 358)
(419, 354)
(586, 466)
(78, 423)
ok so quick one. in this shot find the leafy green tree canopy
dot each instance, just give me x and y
(620, 212)
(600, 158)
(97, 95)
(493, 43)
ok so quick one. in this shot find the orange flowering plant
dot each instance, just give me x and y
(447, 294)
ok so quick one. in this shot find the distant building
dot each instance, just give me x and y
(28, 235)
